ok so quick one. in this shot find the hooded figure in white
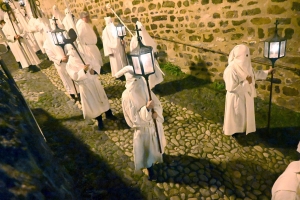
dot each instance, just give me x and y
(20, 47)
(93, 97)
(137, 109)
(287, 185)
(69, 21)
(27, 28)
(58, 15)
(87, 41)
(39, 28)
(57, 55)
(158, 76)
(239, 78)
(112, 47)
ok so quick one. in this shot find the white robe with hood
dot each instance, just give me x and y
(134, 100)
(23, 24)
(239, 113)
(69, 21)
(58, 15)
(87, 43)
(112, 47)
(287, 185)
(93, 97)
(21, 50)
(55, 54)
(158, 76)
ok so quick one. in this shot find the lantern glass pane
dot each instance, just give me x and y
(136, 65)
(147, 62)
(54, 38)
(60, 38)
(282, 48)
(123, 30)
(274, 50)
(266, 50)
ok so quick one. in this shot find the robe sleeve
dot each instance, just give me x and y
(260, 75)
(232, 82)
(76, 75)
(145, 114)
(55, 58)
(128, 109)
(10, 36)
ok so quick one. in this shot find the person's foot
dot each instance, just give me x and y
(112, 117)
(151, 175)
(100, 126)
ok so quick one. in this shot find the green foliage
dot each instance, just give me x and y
(218, 85)
(171, 68)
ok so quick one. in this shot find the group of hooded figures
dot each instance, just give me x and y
(79, 67)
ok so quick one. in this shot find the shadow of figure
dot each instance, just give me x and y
(235, 175)
(93, 177)
(286, 139)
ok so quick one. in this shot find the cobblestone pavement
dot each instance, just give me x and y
(200, 162)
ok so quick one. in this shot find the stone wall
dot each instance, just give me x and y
(28, 169)
(197, 35)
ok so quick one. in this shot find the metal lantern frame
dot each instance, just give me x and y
(59, 38)
(121, 32)
(21, 3)
(274, 48)
(140, 57)
(58, 35)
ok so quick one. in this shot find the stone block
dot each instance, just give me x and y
(217, 1)
(237, 36)
(251, 12)
(186, 3)
(216, 15)
(296, 6)
(239, 22)
(261, 20)
(152, 6)
(159, 18)
(275, 10)
(168, 4)
(208, 38)
(204, 2)
(232, 14)
(289, 32)
(289, 91)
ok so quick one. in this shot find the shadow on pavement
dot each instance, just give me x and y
(93, 178)
(285, 139)
(235, 175)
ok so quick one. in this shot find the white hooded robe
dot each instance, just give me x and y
(93, 97)
(239, 113)
(55, 53)
(87, 43)
(287, 185)
(21, 49)
(112, 47)
(134, 100)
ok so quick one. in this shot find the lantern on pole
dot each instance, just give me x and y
(21, 3)
(274, 48)
(143, 65)
(58, 35)
(59, 38)
(121, 31)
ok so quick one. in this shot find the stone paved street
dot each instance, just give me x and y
(200, 162)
